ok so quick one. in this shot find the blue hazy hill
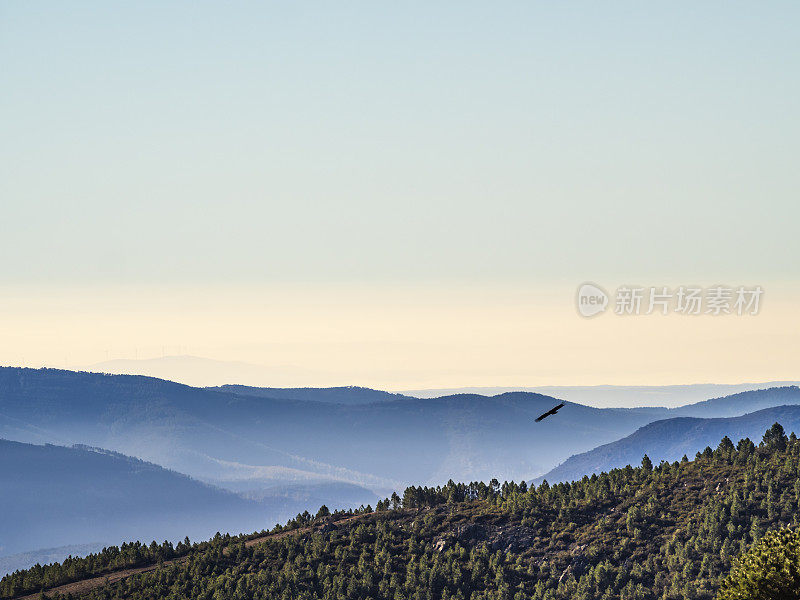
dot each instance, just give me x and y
(670, 439)
(54, 495)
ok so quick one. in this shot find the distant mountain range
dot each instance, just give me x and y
(207, 372)
(225, 437)
(200, 371)
(740, 404)
(278, 451)
(335, 395)
(606, 396)
(671, 439)
(228, 438)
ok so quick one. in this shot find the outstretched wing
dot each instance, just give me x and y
(552, 411)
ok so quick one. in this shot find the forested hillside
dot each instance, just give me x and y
(666, 531)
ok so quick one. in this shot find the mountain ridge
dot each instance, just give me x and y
(669, 531)
(670, 439)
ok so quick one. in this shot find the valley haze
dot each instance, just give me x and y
(261, 455)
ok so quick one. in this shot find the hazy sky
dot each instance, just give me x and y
(343, 154)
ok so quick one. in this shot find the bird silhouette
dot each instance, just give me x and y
(552, 411)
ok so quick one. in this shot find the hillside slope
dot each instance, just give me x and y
(669, 532)
(52, 495)
(670, 439)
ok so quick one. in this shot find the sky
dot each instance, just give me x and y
(401, 195)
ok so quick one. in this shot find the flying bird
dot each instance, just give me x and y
(552, 411)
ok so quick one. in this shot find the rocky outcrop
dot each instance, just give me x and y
(496, 537)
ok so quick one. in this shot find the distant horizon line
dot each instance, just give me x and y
(404, 390)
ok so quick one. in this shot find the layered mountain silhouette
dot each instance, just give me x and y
(671, 439)
(276, 456)
(229, 438)
(669, 396)
(741, 403)
(226, 438)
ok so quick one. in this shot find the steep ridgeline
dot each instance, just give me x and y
(670, 439)
(666, 532)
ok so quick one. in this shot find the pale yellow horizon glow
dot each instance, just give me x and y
(395, 337)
